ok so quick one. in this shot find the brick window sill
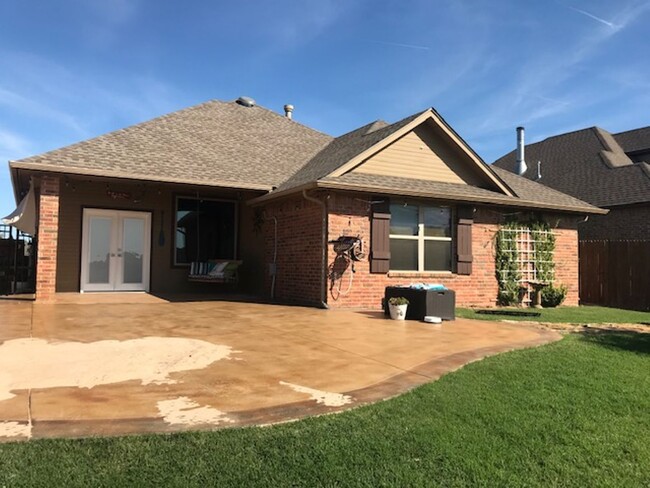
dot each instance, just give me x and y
(417, 274)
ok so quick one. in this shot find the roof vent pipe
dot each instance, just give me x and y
(539, 170)
(521, 167)
(288, 110)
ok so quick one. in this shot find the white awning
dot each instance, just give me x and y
(24, 217)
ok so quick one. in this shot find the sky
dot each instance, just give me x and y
(74, 69)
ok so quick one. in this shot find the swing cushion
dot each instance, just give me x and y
(218, 271)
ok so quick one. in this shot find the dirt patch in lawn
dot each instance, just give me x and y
(573, 328)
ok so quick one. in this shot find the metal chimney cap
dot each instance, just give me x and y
(288, 107)
(521, 127)
(246, 101)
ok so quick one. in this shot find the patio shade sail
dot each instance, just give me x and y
(24, 217)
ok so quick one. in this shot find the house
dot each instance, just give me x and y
(610, 171)
(132, 209)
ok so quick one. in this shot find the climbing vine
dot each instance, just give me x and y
(544, 250)
(508, 273)
(507, 270)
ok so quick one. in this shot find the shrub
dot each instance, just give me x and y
(553, 296)
(398, 301)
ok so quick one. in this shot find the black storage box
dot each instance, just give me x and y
(422, 303)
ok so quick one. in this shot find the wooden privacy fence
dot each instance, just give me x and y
(615, 274)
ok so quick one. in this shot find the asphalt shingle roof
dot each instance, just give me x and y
(589, 164)
(226, 144)
(212, 143)
(634, 140)
(529, 193)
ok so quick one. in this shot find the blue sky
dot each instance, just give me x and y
(73, 69)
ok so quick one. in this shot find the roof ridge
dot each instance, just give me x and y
(277, 114)
(647, 127)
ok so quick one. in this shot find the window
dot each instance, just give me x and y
(205, 229)
(420, 238)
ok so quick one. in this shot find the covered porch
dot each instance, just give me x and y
(99, 234)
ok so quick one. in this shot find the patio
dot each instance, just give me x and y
(119, 364)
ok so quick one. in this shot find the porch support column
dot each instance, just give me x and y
(48, 236)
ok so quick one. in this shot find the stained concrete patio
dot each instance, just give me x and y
(106, 365)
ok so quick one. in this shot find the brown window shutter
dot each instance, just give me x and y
(464, 240)
(380, 237)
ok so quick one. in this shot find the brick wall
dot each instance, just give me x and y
(350, 215)
(566, 259)
(299, 255)
(631, 222)
(48, 233)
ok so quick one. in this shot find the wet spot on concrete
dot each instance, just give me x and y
(150, 360)
(327, 398)
(183, 411)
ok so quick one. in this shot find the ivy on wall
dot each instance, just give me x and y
(507, 269)
(508, 273)
(544, 250)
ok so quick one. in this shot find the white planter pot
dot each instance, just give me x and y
(397, 312)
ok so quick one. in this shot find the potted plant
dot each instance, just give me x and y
(397, 307)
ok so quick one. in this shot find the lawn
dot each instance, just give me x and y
(572, 413)
(569, 315)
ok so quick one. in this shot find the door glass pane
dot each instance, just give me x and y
(404, 219)
(437, 255)
(404, 254)
(133, 250)
(437, 222)
(99, 249)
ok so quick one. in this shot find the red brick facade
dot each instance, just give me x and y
(48, 233)
(350, 215)
(299, 249)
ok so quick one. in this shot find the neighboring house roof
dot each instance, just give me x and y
(634, 140)
(590, 164)
(215, 143)
(224, 144)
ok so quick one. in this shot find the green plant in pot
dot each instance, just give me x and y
(397, 307)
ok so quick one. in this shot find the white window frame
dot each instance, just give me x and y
(421, 238)
(189, 197)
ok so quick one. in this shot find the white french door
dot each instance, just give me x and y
(115, 250)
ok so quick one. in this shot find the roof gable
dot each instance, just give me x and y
(425, 153)
(351, 150)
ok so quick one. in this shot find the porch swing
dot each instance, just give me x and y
(212, 270)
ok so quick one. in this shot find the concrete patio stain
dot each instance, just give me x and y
(184, 411)
(358, 355)
(149, 360)
(327, 398)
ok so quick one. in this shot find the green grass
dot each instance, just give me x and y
(569, 315)
(572, 413)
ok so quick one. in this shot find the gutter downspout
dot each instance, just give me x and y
(275, 256)
(323, 276)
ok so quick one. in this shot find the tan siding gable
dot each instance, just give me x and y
(423, 153)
